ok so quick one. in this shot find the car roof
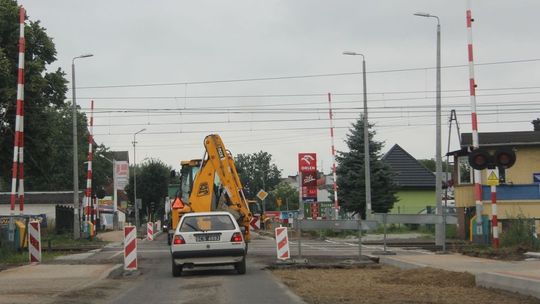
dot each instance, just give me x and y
(207, 213)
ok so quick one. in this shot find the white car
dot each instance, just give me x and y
(208, 239)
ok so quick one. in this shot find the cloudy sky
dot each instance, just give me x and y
(258, 72)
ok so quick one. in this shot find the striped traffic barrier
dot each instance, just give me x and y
(130, 248)
(34, 244)
(282, 243)
(150, 231)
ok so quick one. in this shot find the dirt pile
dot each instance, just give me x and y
(391, 285)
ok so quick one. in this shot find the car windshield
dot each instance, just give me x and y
(207, 223)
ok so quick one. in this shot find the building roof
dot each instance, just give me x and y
(517, 138)
(48, 197)
(121, 155)
(409, 172)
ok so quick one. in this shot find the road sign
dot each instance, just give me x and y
(493, 177)
(262, 194)
(255, 222)
(536, 177)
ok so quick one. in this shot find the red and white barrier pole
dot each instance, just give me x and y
(130, 248)
(34, 242)
(282, 243)
(474, 121)
(336, 203)
(494, 221)
(18, 144)
(150, 231)
(88, 192)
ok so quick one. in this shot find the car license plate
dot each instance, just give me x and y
(207, 237)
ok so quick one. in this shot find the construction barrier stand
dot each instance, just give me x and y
(34, 244)
(282, 243)
(130, 248)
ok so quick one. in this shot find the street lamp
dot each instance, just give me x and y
(440, 228)
(76, 203)
(367, 170)
(135, 178)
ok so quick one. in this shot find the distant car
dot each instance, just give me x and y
(208, 239)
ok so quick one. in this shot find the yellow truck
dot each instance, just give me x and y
(211, 184)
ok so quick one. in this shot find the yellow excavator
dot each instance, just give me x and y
(211, 184)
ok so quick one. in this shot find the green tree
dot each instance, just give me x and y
(48, 117)
(431, 165)
(351, 177)
(287, 194)
(152, 185)
(257, 172)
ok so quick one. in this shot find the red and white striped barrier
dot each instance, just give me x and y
(282, 243)
(150, 231)
(18, 141)
(130, 248)
(255, 223)
(336, 202)
(474, 121)
(34, 242)
(88, 192)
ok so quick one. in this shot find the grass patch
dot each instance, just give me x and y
(13, 257)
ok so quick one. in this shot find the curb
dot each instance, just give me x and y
(508, 282)
(400, 264)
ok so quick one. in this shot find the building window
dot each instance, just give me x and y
(464, 171)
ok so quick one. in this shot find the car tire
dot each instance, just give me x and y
(176, 269)
(241, 266)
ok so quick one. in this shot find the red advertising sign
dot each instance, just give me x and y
(307, 162)
(315, 210)
(309, 192)
(309, 179)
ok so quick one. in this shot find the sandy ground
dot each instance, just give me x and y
(391, 285)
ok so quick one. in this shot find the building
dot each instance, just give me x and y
(38, 203)
(518, 194)
(416, 183)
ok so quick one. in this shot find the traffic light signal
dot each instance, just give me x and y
(481, 159)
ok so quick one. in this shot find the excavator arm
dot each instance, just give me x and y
(222, 162)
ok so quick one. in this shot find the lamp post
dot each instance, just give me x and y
(76, 203)
(135, 177)
(367, 170)
(439, 228)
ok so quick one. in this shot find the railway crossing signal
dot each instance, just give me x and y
(481, 159)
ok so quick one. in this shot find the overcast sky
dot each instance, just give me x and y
(194, 46)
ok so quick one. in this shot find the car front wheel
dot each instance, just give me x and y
(241, 266)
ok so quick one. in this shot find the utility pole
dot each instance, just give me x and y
(137, 224)
(76, 203)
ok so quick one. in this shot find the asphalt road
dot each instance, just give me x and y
(155, 283)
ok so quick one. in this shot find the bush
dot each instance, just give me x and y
(520, 233)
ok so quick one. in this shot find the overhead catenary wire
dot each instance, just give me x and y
(302, 76)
